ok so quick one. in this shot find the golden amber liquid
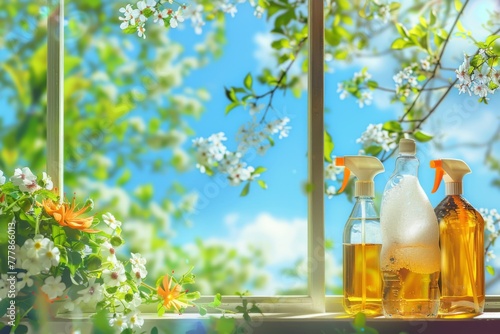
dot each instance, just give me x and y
(362, 279)
(410, 295)
(462, 260)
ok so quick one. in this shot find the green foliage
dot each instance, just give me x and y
(359, 324)
(328, 147)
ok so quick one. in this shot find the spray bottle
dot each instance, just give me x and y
(362, 241)
(462, 244)
(410, 255)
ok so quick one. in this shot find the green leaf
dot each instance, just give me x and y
(124, 178)
(373, 150)
(112, 290)
(245, 190)
(359, 320)
(232, 106)
(401, 43)
(230, 94)
(217, 300)
(372, 84)
(262, 184)
(328, 147)
(340, 54)
(490, 270)
(154, 330)
(259, 170)
(476, 60)
(422, 136)
(490, 39)
(432, 20)
(423, 21)
(308, 187)
(402, 30)
(392, 126)
(202, 310)
(248, 81)
(394, 5)
(458, 5)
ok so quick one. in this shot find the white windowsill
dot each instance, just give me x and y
(290, 319)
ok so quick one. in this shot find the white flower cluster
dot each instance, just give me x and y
(331, 171)
(359, 80)
(149, 8)
(406, 81)
(37, 255)
(479, 81)
(211, 152)
(383, 13)
(255, 134)
(26, 180)
(491, 218)
(376, 135)
(145, 9)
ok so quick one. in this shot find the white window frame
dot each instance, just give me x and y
(315, 301)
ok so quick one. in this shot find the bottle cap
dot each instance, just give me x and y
(364, 168)
(407, 146)
(452, 170)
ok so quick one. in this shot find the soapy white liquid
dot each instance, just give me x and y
(410, 231)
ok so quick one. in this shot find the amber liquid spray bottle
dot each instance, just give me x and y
(462, 245)
(362, 240)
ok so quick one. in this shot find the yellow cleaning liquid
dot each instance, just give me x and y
(362, 279)
(462, 258)
(410, 295)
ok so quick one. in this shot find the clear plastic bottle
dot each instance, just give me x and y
(462, 245)
(410, 255)
(362, 240)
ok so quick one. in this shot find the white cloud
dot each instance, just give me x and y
(464, 132)
(264, 52)
(280, 240)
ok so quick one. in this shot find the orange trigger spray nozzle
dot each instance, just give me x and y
(347, 173)
(438, 165)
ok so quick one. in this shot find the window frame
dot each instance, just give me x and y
(316, 301)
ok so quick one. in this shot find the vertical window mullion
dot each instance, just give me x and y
(55, 93)
(316, 234)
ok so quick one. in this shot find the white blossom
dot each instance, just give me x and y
(115, 276)
(53, 287)
(330, 191)
(2, 178)
(93, 293)
(25, 180)
(376, 135)
(119, 322)
(111, 221)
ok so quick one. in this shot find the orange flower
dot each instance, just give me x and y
(171, 297)
(66, 215)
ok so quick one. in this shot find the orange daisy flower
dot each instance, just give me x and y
(67, 215)
(171, 296)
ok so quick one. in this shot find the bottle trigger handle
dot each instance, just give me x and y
(438, 165)
(339, 161)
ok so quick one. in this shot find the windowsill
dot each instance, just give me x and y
(192, 323)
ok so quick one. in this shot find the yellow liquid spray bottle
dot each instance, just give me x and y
(461, 230)
(362, 239)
